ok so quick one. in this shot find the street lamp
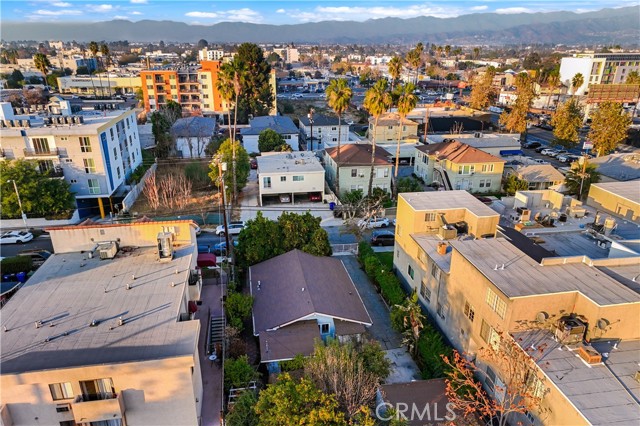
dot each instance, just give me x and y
(24, 216)
(583, 162)
(310, 117)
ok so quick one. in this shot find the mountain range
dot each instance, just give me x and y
(606, 26)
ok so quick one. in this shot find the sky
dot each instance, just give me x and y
(277, 12)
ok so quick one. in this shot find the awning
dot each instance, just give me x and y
(206, 259)
(506, 152)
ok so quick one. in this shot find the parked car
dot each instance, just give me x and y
(547, 151)
(557, 152)
(541, 148)
(204, 248)
(315, 196)
(568, 158)
(16, 237)
(253, 163)
(198, 230)
(220, 249)
(234, 228)
(38, 256)
(376, 222)
(383, 238)
(540, 161)
(285, 198)
(531, 145)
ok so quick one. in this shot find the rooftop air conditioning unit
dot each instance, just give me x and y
(570, 330)
(108, 250)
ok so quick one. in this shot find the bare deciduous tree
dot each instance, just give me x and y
(150, 191)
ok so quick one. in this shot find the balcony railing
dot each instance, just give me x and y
(41, 152)
(98, 407)
(55, 172)
(95, 396)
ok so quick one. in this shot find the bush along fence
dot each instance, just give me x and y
(430, 345)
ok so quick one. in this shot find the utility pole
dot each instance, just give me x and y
(222, 168)
(24, 217)
(310, 116)
(583, 162)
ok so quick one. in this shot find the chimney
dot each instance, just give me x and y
(442, 248)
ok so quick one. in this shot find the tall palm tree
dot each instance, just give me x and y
(476, 52)
(376, 100)
(224, 86)
(576, 82)
(395, 69)
(94, 48)
(237, 72)
(439, 49)
(338, 98)
(42, 63)
(552, 81)
(104, 49)
(447, 50)
(407, 101)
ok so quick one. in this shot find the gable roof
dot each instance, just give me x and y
(458, 152)
(193, 127)
(282, 125)
(358, 155)
(539, 173)
(294, 285)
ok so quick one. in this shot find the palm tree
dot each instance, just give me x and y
(42, 63)
(552, 81)
(476, 52)
(407, 101)
(413, 321)
(376, 100)
(447, 50)
(339, 97)
(576, 82)
(104, 49)
(439, 49)
(94, 48)
(395, 69)
(224, 86)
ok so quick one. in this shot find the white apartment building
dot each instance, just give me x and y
(326, 131)
(100, 85)
(94, 151)
(210, 55)
(290, 177)
(598, 68)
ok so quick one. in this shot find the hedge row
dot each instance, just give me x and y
(13, 265)
(385, 280)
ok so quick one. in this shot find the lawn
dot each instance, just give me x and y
(386, 258)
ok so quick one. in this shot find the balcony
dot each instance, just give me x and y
(98, 407)
(55, 172)
(51, 152)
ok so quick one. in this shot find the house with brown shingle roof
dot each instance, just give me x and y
(456, 165)
(355, 167)
(540, 176)
(299, 298)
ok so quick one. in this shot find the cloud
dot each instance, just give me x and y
(512, 10)
(361, 13)
(280, 11)
(202, 15)
(102, 7)
(135, 12)
(235, 15)
(61, 4)
(139, 1)
(479, 8)
(121, 17)
(60, 12)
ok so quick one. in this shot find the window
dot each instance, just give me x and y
(118, 172)
(95, 390)
(334, 139)
(535, 385)
(354, 172)
(442, 309)
(333, 128)
(111, 132)
(324, 328)
(489, 335)
(429, 217)
(61, 391)
(72, 181)
(94, 186)
(386, 172)
(425, 291)
(283, 178)
(63, 138)
(487, 183)
(410, 271)
(469, 312)
(425, 159)
(150, 86)
(204, 86)
(63, 408)
(266, 182)
(496, 303)
(481, 183)
(487, 167)
(435, 271)
(115, 153)
(41, 145)
(466, 170)
(298, 178)
(530, 417)
(390, 127)
(89, 165)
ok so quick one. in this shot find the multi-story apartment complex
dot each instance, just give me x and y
(456, 165)
(388, 129)
(100, 85)
(94, 151)
(598, 68)
(326, 131)
(210, 54)
(104, 333)
(298, 176)
(479, 290)
(194, 88)
(354, 162)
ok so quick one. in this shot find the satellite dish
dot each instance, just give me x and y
(541, 317)
(602, 324)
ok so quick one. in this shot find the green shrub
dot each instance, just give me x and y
(364, 250)
(372, 265)
(431, 347)
(238, 372)
(397, 319)
(238, 307)
(13, 265)
(296, 363)
(390, 288)
(198, 174)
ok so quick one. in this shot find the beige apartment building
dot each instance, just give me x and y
(103, 333)
(477, 288)
(390, 126)
(354, 162)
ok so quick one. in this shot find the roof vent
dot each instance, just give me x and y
(259, 285)
(589, 355)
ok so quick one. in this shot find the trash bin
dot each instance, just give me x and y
(562, 218)
(332, 205)
(21, 277)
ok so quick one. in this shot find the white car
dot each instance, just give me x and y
(547, 151)
(16, 237)
(376, 222)
(540, 161)
(554, 154)
(234, 228)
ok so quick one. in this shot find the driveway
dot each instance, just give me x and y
(381, 329)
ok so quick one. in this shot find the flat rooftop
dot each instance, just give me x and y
(447, 200)
(606, 393)
(429, 243)
(71, 290)
(522, 276)
(92, 121)
(289, 162)
(629, 190)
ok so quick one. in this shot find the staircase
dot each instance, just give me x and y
(216, 332)
(444, 177)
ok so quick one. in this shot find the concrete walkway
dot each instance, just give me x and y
(211, 371)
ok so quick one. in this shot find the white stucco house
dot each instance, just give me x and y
(290, 177)
(282, 125)
(192, 135)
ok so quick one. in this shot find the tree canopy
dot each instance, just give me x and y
(40, 195)
(270, 140)
(263, 239)
(482, 92)
(256, 95)
(609, 127)
(242, 169)
(581, 175)
(566, 122)
(512, 185)
(516, 120)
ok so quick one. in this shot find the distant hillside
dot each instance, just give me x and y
(603, 26)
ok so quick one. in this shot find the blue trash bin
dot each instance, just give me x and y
(332, 205)
(21, 277)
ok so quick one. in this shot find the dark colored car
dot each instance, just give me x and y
(204, 248)
(532, 145)
(540, 148)
(383, 238)
(253, 163)
(315, 196)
